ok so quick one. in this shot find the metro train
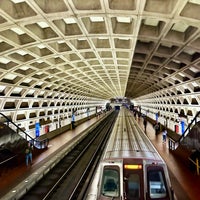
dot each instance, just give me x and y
(131, 168)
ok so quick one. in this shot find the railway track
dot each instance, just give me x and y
(70, 178)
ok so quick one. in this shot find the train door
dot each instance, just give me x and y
(133, 182)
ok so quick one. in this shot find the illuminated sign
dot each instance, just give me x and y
(132, 166)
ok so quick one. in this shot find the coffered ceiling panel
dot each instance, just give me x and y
(100, 48)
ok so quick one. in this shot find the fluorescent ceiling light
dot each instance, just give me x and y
(195, 84)
(81, 39)
(24, 67)
(17, 90)
(123, 38)
(17, 1)
(41, 46)
(39, 73)
(189, 51)
(102, 38)
(124, 19)
(27, 80)
(174, 78)
(167, 45)
(151, 22)
(177, 61)
(41, 93)
(21, 52)
(18, 31)
(195, 70)
(180, 27)
(195, 1)
(31, 91)
(2, 87)
(43, 24)
(96, 19)
(61, 41)
(69, 20)
(181, 74)
(4, 60)
(39, 61)
(10, 76)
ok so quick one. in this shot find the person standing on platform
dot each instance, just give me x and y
(73, 121)
(145, 124)
(164, 134)
(28, 154)
(157, 128)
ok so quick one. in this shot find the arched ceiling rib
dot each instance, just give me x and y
(98, 48)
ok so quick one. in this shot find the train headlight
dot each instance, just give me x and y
(132, 166)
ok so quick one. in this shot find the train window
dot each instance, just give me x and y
(133, 186)
(110, 184)
(156, 183)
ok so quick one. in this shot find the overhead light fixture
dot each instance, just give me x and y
(2, 87)
(27, 80)
(39, 61)
(195, 70)
(123, 38)
(31, 91)
(41, 46)
(69, 20)
(124, 19)
(180, 27)
(96, 19)
(194, 1)
(17, 30)
(195, 84)
(21, 52)
(176, 61)
(24, 67)
(181, 74)
(43, 24)
(17, 90)
(4, 60)
(102, 38)
(41, 93)
(151, 22)
(17, 1)
(189, 51)
(39, 73)
(61, 41)
(81, 39)
(10, 76)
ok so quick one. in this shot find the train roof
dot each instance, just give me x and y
(128, 140)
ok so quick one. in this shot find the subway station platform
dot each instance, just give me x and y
(186, 183)
(13, 182)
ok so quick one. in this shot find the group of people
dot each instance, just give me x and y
(157, 129)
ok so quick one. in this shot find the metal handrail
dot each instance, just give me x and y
(196, 163)
(40, 144)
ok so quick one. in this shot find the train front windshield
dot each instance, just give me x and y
(157, 187)
(110, 183)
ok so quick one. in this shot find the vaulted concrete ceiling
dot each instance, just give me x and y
(98, 48)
